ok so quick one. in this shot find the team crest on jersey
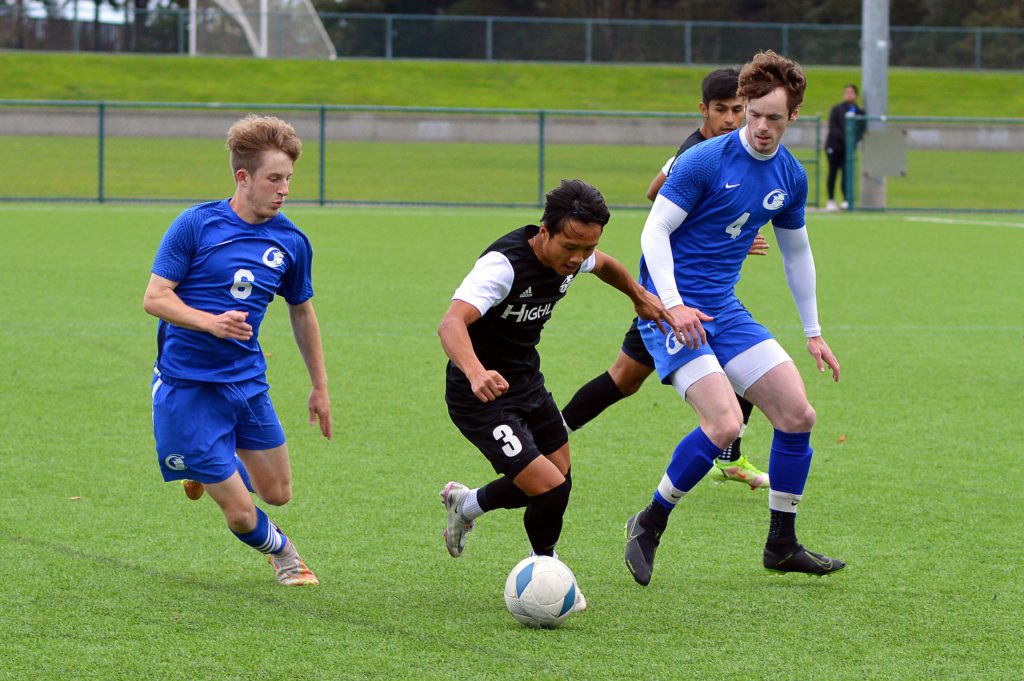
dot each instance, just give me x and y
(273, 257)
(565, 284)
(774, 199)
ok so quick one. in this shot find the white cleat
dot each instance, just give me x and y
(581, 603)
(290, 569)
(831, 207)
(452, 496)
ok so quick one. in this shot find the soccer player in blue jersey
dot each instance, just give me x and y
(722, 110)
(495, 390)
(217, 269)
(694, 241)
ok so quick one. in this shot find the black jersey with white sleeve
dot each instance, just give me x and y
(515, 294)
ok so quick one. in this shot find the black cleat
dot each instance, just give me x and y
(641, 544)
(796, 558)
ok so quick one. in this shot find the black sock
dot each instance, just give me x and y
(654, 518)
(732, 452)
(543, 518)
(782, 530)
(590, 400)
(501, 493)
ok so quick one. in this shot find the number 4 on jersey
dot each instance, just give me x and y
(736, 227)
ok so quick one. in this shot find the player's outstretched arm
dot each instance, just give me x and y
(487, 384)
(665, 217)
(162, 301)
(798, 262)
(647, 306)
(306, 329)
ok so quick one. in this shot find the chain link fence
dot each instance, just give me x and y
(399, 36)
(121, 151)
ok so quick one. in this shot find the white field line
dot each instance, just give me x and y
(962, 221)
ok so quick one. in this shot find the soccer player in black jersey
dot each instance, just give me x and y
(494, 388)
(722, 110)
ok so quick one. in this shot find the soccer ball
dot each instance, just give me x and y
(540, 592)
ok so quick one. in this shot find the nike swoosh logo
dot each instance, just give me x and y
(731, 186)
(827, 564)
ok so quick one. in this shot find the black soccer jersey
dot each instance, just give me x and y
(515, 294)
(693, 140)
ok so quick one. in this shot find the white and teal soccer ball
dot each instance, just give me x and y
(540, 592)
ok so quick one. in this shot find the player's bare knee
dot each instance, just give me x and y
(799, 420)
(278, 495)
(628, 377)
(629, 385)
(723, 430)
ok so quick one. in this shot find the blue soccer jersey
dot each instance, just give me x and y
(223, 263)
(728, 192)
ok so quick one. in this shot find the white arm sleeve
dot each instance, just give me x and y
(488, 282)
(800, 275)
(665, 218)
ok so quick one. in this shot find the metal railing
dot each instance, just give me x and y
(415, 36)
(364, 154)
(948, 164)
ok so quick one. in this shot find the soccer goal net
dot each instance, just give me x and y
(263, 28)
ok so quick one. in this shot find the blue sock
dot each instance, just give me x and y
(790, 462)
(267, 537)
(693, 458)
(244, 473)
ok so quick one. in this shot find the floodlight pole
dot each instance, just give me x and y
(264, 6)
(192, 10)
(874, 51)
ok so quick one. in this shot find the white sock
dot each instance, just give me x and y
(785, 502)
(471, 507)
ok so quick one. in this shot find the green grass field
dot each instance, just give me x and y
(113, 574)
(424, 172)
(152, 78)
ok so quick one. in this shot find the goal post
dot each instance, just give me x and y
(262, 28)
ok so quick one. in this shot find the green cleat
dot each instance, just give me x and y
(740, 470)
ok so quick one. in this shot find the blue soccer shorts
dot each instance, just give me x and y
(732, 332)
(199, 426)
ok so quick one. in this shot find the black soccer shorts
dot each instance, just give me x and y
(514, 429)
(634, 348)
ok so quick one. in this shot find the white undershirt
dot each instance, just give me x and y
(491, 279)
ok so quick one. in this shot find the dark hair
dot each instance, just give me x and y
(767, 71)
(851, 85)
(720, 84)
(573, 200)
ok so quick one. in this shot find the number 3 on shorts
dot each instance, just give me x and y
(512, 444)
